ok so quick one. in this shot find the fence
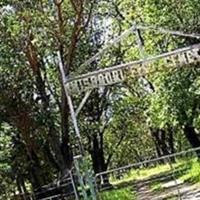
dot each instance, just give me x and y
(177, 164)
(65, 189)
(58, 190)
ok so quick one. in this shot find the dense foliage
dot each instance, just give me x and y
(141, 118)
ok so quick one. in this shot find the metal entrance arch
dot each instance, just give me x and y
(113, 75)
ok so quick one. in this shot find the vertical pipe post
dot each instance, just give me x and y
(77, 132)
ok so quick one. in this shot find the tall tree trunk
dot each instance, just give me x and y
(97, 154)
(35, 170)
(65, 146)
(98, 160)
(62, 151)
(163, 142)
(171, 144)
(192, 137)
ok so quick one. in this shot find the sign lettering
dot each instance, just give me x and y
(118, 73)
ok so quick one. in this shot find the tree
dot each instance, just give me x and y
(30, 83)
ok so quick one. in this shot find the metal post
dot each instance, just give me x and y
(83, 102)
(81, 180)
(72, 111)
(78, 136)
(74, 186)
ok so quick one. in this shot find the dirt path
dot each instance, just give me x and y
(167, 191)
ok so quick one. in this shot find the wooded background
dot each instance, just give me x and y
(141, 118)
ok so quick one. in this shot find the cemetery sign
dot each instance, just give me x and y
(119, 73)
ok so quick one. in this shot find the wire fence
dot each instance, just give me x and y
(59, 190)
(175, 165)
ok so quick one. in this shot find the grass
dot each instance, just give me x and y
(193, 172)
(127, 193)
(156, 186)
(140, 174)
(123, 194)
(187, 171)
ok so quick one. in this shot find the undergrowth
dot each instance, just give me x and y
(121, 194)
(188, 170)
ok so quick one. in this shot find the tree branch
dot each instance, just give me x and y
(90, 14)
(58, 2)
(114, 150)
(75, 35)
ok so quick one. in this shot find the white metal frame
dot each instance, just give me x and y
(131, 66)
